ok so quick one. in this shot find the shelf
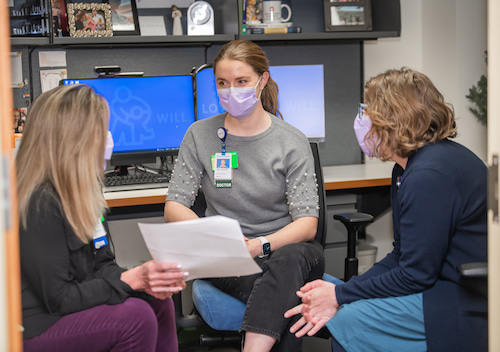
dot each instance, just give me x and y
(197, 40)
(386, 19)
(29, 41)
(135, 40)
(26, 17)
(370, 35)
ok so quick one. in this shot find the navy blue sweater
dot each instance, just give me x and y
(439, 219)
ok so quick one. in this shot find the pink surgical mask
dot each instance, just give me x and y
(239, 102)
(108, 150)
(362, 125)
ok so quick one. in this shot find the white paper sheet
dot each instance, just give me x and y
(51, 78)
(52, 58)
(152, 26)
(16, 65)
(213, 246)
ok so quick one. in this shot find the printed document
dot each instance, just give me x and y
(208, 247)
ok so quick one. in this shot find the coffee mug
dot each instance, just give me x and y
(272, 12)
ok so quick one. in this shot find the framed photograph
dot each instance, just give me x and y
(124, 17)
(60, 18)
(89, 20)
(253, 11)
(346, 16)
(19, 120)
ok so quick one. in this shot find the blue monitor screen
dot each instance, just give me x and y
(148, 115)
(301, 97)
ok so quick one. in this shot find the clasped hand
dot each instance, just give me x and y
(160, 280)
(319, 305)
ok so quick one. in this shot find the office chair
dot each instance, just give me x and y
(352, 221)
(223, 312)
(475, 276)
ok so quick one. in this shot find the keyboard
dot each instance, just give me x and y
(136, 181)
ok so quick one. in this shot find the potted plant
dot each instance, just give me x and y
(478, 95)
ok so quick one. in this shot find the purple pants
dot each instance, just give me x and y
(132, 326)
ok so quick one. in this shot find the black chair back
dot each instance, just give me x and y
(322, 221)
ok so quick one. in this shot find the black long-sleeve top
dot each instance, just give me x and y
(59, 273)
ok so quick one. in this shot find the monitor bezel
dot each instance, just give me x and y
(315, 138)
(125, 158)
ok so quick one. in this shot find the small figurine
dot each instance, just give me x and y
(176, 16)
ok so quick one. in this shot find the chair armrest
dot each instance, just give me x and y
(353, 218)
(479, 269)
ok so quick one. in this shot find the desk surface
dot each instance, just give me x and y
(357, 176)
(335, 178)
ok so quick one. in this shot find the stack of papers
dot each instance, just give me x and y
(209, 247)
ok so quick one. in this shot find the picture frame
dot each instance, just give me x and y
(19, 115)
(60, 18)
(89, 20)
(124, 17)
(347, 15)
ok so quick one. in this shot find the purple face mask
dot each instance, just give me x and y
(362, 125)
(108, 150)
(239, 102)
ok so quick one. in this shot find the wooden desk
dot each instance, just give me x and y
(357, 176)
(335, 178)
(135, 197)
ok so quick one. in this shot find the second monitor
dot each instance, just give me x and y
(301, 96)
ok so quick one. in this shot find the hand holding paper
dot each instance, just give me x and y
(208, 247)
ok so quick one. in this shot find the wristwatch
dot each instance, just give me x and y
(266, 247)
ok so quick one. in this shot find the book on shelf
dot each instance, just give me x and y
(269, 25)
(242, 18)
(274, 30)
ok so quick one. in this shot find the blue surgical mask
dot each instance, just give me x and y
(108, 150)
(362, 125)
(239, 102)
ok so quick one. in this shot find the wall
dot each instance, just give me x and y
(446, 40)
(342, 63)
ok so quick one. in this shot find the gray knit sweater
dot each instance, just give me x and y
(273, 184)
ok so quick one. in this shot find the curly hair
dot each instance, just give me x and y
(407, 112)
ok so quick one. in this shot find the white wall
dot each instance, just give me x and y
(446, 40)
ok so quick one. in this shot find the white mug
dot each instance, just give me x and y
(272, 12)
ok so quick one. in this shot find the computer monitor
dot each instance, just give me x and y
(149, 116)
(301, 96)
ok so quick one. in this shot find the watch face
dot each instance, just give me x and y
(200, 13)
(266, 248)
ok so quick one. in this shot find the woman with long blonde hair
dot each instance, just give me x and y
(74, 295)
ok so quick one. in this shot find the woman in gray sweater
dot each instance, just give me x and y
(269, 187)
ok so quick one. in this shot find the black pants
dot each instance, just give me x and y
(270, 294)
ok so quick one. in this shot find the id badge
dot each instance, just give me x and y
(223, 172)
(100, 239)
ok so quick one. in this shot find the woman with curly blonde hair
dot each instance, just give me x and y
(414, 299)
